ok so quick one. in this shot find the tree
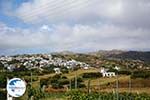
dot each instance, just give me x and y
(3, 80)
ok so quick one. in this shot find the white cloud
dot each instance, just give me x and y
(122, 12)
(77, 37)
(80, 25)
(45, 27)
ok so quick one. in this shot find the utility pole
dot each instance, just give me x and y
(99, 85)
(76, 80)
(130, 85)
(89, 82)
(99, 88)
(32, 97)
(31, 80)
(117, 83)
(8, 96)
(117, 87)
(70, 85)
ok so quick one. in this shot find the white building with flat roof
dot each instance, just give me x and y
(57, 70)
(105, 73)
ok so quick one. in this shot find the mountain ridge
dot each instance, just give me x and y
(125, 55)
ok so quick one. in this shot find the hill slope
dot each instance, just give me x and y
(130, 55)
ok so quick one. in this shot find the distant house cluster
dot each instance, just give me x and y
(39, 61)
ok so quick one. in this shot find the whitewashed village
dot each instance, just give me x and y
(38, 62)
(12, 63)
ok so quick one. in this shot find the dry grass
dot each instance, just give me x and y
(70, 75)
(46, 76)
(99, 81)
(104, 81)
(80, 71)
(133, 90)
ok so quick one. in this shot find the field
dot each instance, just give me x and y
(96, 87)
(101, 84)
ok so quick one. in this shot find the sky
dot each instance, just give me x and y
(41, 26)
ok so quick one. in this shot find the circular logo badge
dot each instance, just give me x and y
(16, 87)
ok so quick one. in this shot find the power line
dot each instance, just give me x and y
(53, 10)
(70, 7)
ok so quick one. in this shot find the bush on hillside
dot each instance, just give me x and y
(92, 75)
(141, 74)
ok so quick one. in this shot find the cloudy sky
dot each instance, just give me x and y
(35, 26)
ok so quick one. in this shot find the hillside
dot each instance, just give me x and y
(124, 55)
(132, 55)
(105, 53)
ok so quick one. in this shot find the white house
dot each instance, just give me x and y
(86, 67)
(57, 70)
(117, 68)
(107, 74)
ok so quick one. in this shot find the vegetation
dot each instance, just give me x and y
(2, 95)
(57, 81)
(78, 95)
(141, 74)
(133, 55)
(64, 70)
(48, 69)
(124, 72)
(92, 75)
(3, 80)
(80, 83)
(35, 93)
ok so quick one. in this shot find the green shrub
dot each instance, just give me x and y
(3, 95)
(141, 74)
(78, 95)
(37, 93)
(79, 83)
(124, 72)
(92, 75)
